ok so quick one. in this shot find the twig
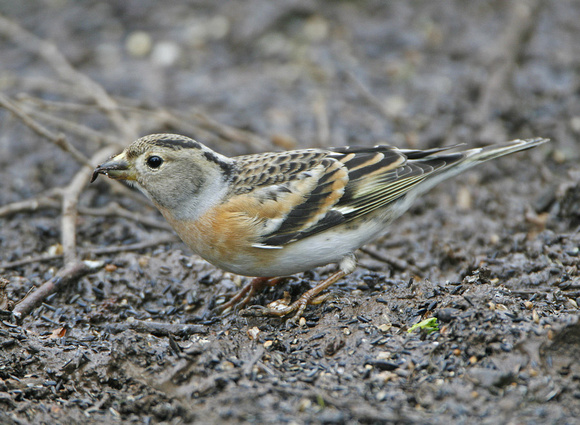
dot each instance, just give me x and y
(157, 328)
(71, 126)
(321, 115)
(503, 55)
(70, 202)
(255, 358)
(231, 133)
(66, 276)
(115, 210)
(395, 263)
(36, 84)
(38, 259)
(53, 56)
(132, 247)
(5, 304)
(91, 251)
(59, 140)
(204, 122)
(48, 202)
(367, 95)
(42, 202)
(56, 106)
(165, 118)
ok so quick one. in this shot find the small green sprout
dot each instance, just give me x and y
(430, 325)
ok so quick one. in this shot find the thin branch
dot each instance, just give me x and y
(47, 201)
(59, 140)
(157, 328)
(228, 132)
(24, 262)
(132, 247)
(395, 263)
(70, 126)
(37, 84)
(56, 106)
(503, 54)
(320, 111)
(66, 276)
(70, 202)
(194, 121)
(367, 95)
(54, 57)
(115, 210)
(91, 251)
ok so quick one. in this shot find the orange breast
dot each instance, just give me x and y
(224, 235)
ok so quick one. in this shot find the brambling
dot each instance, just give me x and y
(280, 213)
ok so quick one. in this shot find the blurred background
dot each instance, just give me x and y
(314, 73)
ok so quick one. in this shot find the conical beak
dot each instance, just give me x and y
(117, 168)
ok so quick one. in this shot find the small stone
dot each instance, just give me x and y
(316, 28)
(384, 327)
(165, 53)
(55, 249)
(381, 395)
(304, 404)
(385, 376)
(535, 317)
(253, 333)
(384, 355)
(575, 124)
(464, 199)
(218, 27)
(110, 268)
(395, 105)
(558, 156)
(447, 314)
(138, 44)
(227, 365)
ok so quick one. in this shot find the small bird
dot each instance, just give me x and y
(279, 213)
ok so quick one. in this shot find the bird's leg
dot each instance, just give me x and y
(347, 266)
(311, 296)
(247, 292)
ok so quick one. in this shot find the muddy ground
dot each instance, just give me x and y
(493, 254)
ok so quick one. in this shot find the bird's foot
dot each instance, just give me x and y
(244, 295)
(281, 308)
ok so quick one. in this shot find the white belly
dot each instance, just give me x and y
(326, 247)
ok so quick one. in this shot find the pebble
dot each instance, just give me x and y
(165, 54)
(138, 44)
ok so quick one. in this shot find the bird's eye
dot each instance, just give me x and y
(154, 161)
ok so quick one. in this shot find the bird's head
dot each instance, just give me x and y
(170, 169)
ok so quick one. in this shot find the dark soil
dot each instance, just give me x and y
(493, 254)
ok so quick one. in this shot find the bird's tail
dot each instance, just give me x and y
(450, 164)
(494, 151)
